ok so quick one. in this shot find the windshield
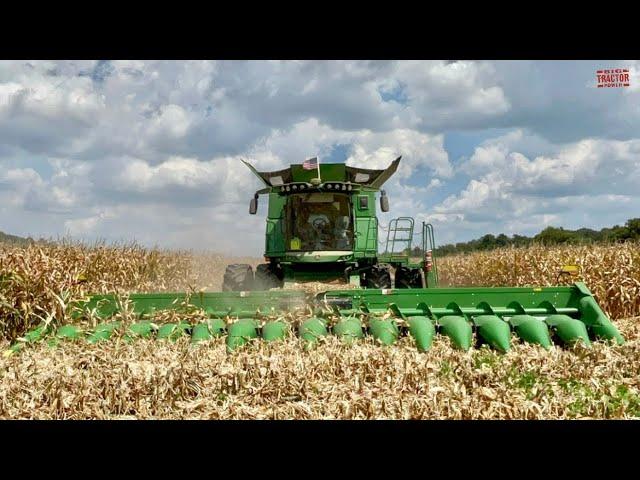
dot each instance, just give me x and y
(319, 221)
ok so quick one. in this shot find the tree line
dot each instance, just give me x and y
(548, 236)
(16, 240)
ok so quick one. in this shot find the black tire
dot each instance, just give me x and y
(379, 276)
(408, 278)
(266, 278)
(237, 277)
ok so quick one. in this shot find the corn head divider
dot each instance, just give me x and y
(498, 316)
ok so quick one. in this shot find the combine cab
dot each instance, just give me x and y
(322, 226)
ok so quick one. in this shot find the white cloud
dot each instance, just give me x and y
(159, 138)
(579, 182)
(172, 121)
(434, 184)
(419, 150)
(458, 94)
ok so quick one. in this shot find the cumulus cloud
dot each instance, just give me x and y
(579, 182)
(418, 150)
(153, 149)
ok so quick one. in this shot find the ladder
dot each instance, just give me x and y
(404, 227)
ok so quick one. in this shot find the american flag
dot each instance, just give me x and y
(310, 164)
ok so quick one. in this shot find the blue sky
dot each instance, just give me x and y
(150, 150)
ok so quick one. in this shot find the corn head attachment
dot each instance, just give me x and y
(497, 317)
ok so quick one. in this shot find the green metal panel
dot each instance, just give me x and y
(274, 243)
(395, 259)
(365, 225)
(433, 303)
(275, 236)
(276, 205)
(471, 301)
(216, 304)
(293, 275)
(320, 256)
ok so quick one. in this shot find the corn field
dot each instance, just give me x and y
(39, 282)
(154, 379)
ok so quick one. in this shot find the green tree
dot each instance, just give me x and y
(633, 226)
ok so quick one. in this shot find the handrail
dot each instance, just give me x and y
(393, 226)
(429, 243)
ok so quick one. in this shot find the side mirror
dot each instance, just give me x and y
(253, 205)
(384, 201)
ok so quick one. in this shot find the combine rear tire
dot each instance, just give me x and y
(408, 278)
(237, 277)
(266, 278)
(379, 277)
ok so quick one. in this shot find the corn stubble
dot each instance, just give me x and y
(157, 379)
(161, 379)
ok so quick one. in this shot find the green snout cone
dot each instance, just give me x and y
(531, 330)
(385, 331)
(458, 330)
(274, 330)
(204, 331)
(569, 329)
(494, 331)
(172, 331)
(422, 330)
(313, 329)
(241, 332)
(103, 331)
(348, 329)
(140, 329)
(608, 332)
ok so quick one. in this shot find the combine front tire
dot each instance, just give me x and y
(266, 278)
(408, 278)
(237, 277)
(378, 277)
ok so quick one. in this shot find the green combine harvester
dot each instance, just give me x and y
(322, 226)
